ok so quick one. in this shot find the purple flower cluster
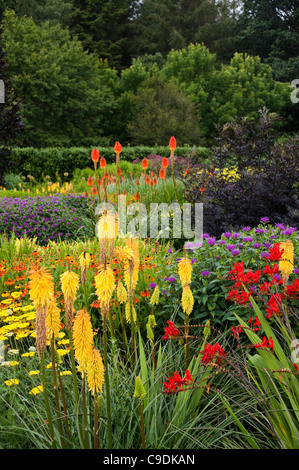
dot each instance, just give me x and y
(44, 217)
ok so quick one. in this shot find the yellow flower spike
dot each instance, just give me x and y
(121, 292)
(132, 265)
(128, 313)
(69, 286)
(107, 226)
(53, 320)
(82, 337)
(155, 296)
(95, 372)
(139, 389)
(187, 300)
(105, 285)
(41, 287)
(286, 264)
(84, 260)
(185, 271)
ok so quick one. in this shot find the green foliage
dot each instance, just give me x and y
(53, 161)
(68, 96)
(161, 109)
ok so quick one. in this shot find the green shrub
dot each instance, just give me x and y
(54, 161)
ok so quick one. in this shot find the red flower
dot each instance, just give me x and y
(175, 383)
(90, 181)
(95, 155)
(145, 163)
(117, 148)
(273, 305)
(162, 173)
(147, 179)
(293, 289)
(236, 331)
(265, 344)
(171, 331)
(212, 353)
(102, 163)
(275, 253)
(270, 272)
(256, 325)
(240, 298)
(165, 162)
(172, 143)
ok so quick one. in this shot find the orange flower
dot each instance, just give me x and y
(165, 162)
(147, 179)
(137, 197)
(117, 148)
(137, 182)
(95, 155)
(94, 191)
(172, 143)
(145, 163)
(119, 173)
(90, 181)
(162, 173)
(187, 172)
(102, 163)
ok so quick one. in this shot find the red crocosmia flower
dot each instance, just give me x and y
(162, 174)
(236, 331)
(270, 272)
(102, 163)
(265, 344)
(212, 354)
(90, 181)
(165, 162)
(275, 253)
(293, 289)
(240, 298)
(172, 143)
(176, 382)
(95, 155)
(256, 325)
(145, 163)
(171, 331)
(117, 148)
(273, 305)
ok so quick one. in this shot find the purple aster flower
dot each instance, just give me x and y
(246, 229)
(172, 279)
(227, 234)
(259, 230)
(264, 254)
(296, 271)
(235, 252)
(211, 241)
(152, 285)
(247, 239)
(264, 219)
(230, 247)
(205, 273)
(267, 244)
(256, 245)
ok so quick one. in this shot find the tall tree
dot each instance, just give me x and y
(68, 96)
(10, 120)
(270, 29)
(54, 11)
(104, 27)
(162, 25)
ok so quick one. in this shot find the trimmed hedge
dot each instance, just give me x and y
(57, 161)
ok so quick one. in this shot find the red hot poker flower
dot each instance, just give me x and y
(172, 143)
(145, 163)
(95, 155)
(117, 148)
(165, 162)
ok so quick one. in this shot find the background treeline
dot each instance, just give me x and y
(91, 72)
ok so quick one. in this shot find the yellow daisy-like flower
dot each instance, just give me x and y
(105, 285)
(11, 382)
(34, 372)
(36, 390)
(185, 271)
(66, 372)
(41, 287)
(95, 372)
(62, 352)
(82, 337)
(13, 363)
(286, 264)
(28, 354)
(187, 300)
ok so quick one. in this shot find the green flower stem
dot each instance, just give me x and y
(96, 442)
(86, 437)
(47, 404)
(109, 422)
(55, 387)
